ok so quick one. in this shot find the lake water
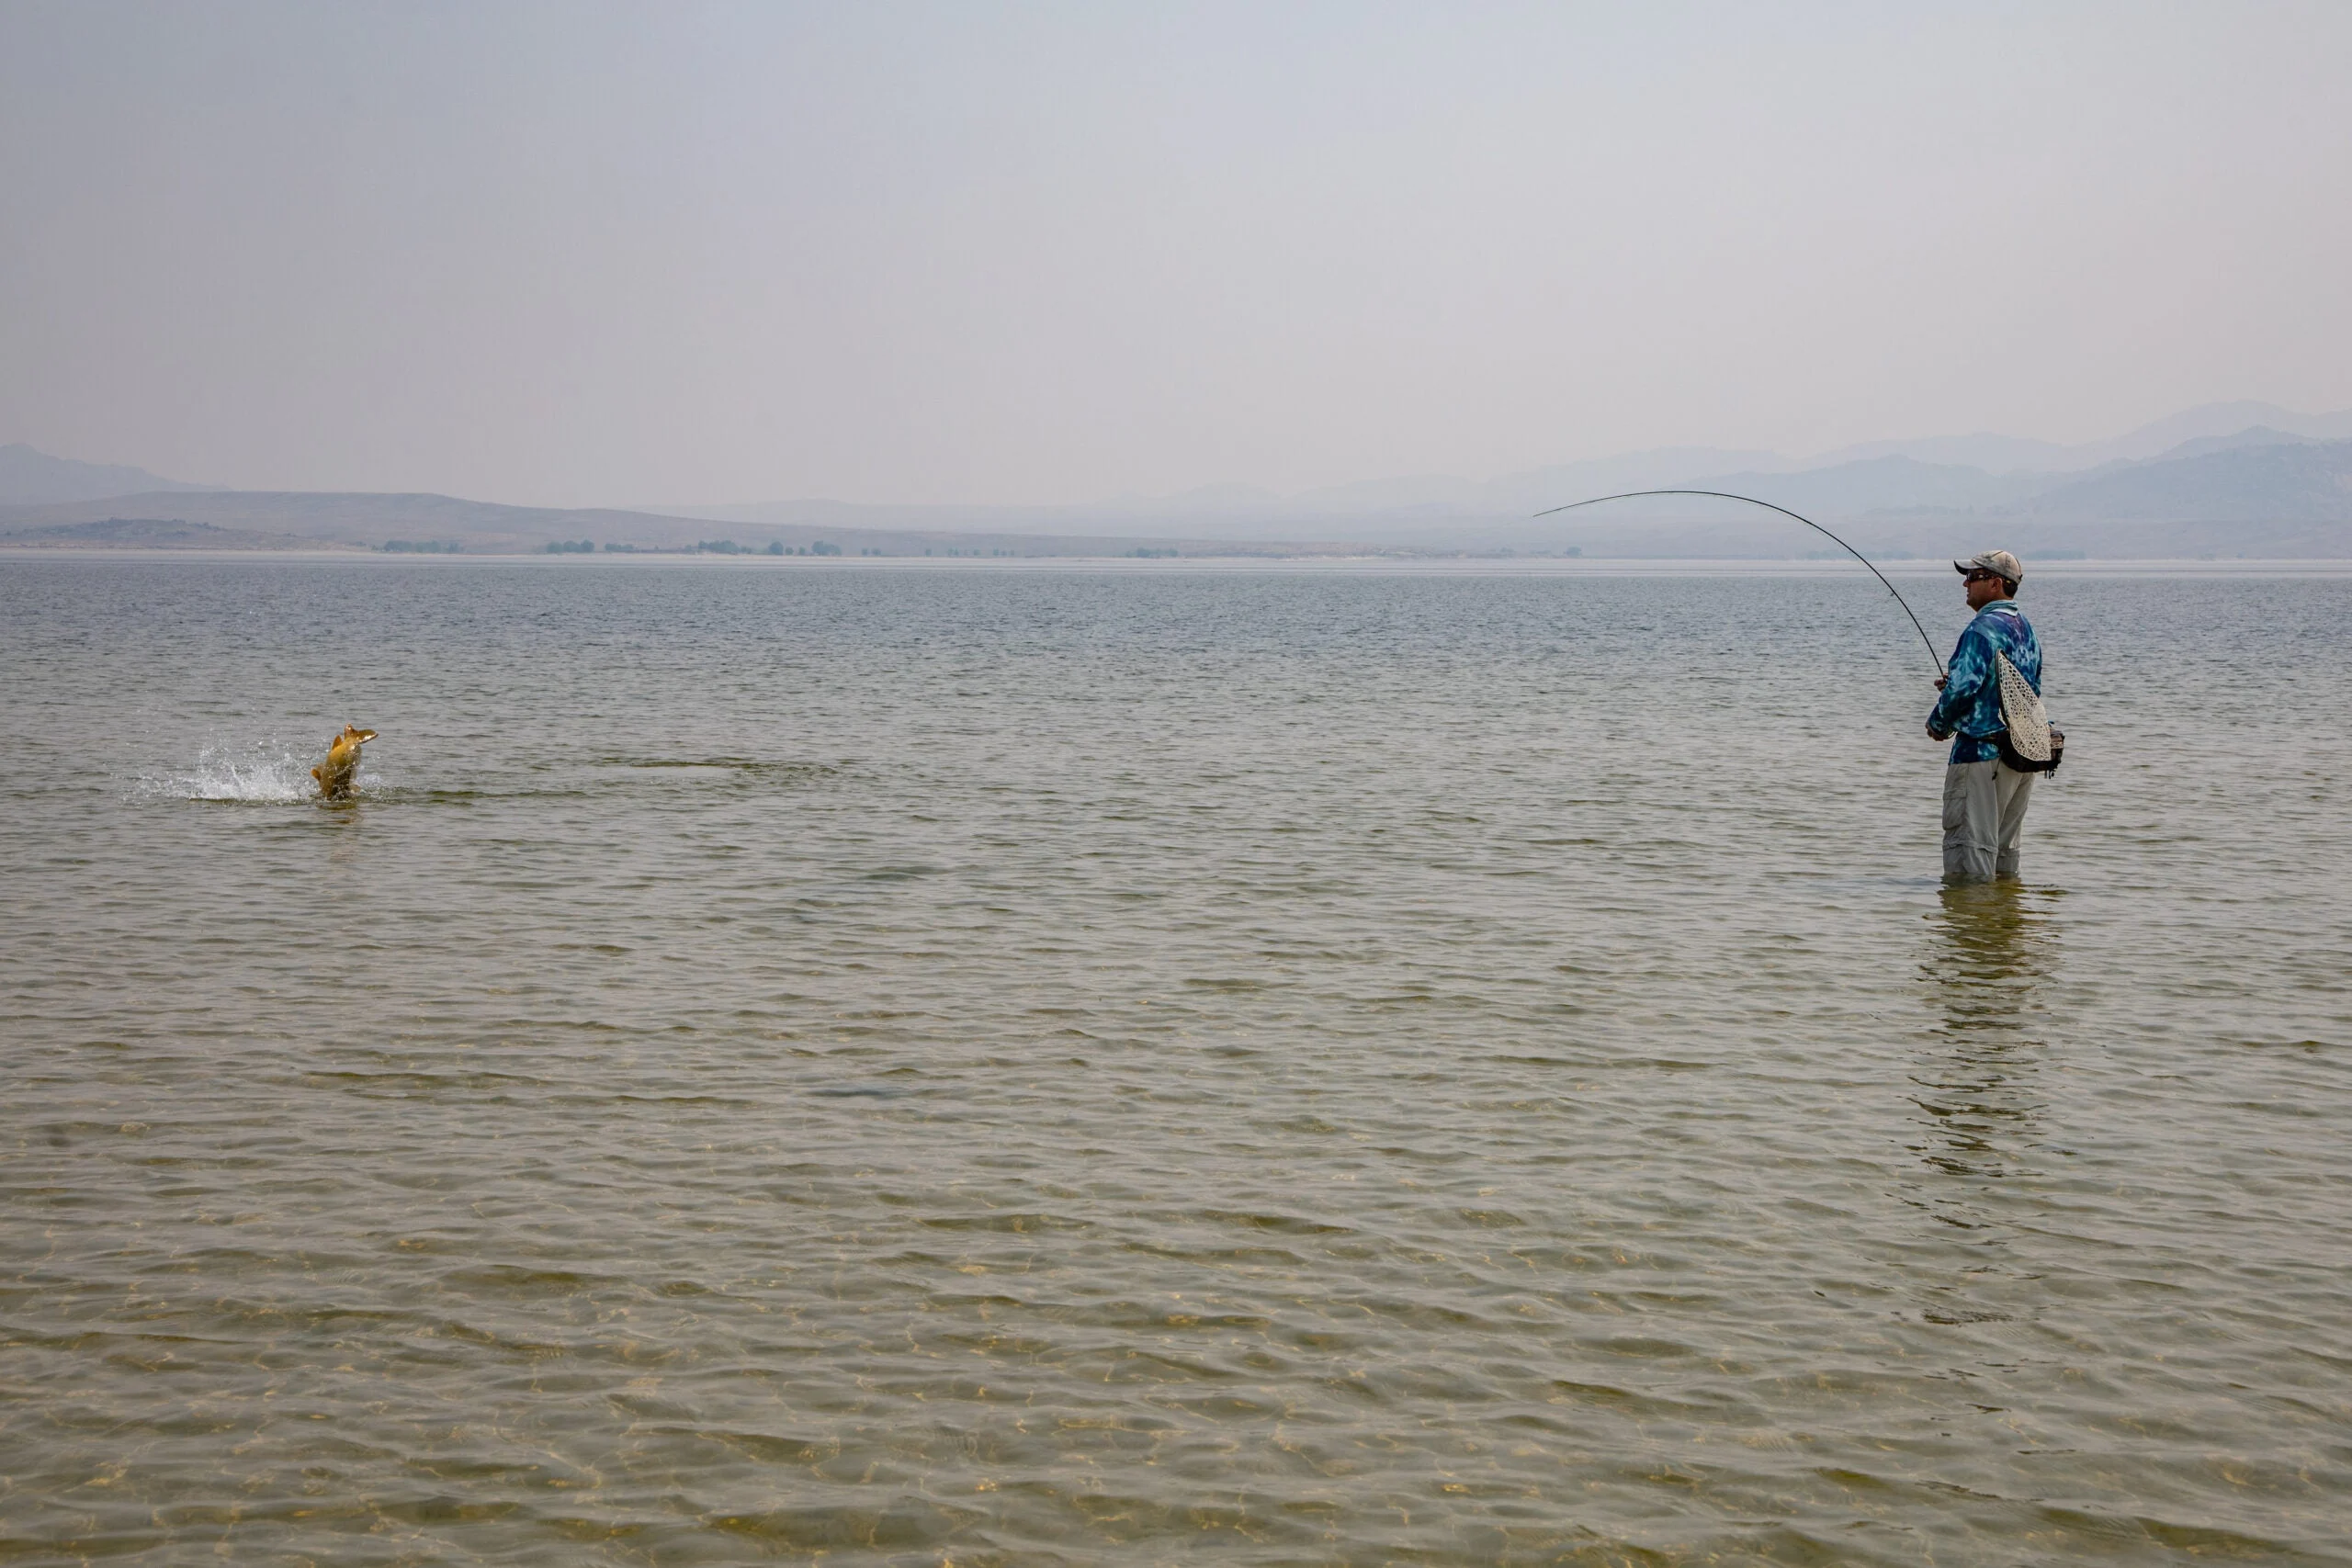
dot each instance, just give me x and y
(917, 1066)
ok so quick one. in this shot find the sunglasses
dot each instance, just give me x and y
(1983, 577)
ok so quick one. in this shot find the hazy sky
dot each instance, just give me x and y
(573, 254)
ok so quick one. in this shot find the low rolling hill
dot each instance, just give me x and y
(301, 519)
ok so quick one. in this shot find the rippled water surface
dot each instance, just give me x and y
(1167, 1066)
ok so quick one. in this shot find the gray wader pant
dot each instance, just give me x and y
(1983, 818)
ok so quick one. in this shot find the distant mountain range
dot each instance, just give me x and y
(30, 479)
(2012, 455)
(2227, 478)
(2196, 474)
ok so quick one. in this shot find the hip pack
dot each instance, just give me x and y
(2028, 741)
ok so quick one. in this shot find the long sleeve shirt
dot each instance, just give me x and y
(1971, 704)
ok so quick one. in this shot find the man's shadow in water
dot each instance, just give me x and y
(1995, 946)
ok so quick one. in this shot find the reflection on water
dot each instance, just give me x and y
(1994, 947)
(1979, 1120)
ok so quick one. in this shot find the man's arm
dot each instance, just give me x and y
(1972, 667)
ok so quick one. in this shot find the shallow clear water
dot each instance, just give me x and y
(1161, 1066)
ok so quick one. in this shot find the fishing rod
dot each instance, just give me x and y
(1726, 495)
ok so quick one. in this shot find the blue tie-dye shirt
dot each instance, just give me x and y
(1971, 704)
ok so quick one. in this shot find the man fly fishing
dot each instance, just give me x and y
(1991, 708)
(1984, 794)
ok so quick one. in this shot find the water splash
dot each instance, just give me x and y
(267, 772)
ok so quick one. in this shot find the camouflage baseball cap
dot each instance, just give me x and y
(1999, 562)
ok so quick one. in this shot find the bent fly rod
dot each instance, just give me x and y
(1726, 495)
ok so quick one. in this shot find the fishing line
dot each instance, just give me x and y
(1726, 495)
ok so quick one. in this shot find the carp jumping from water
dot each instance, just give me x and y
(334, 775)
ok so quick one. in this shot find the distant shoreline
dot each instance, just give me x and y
(1551, 566)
